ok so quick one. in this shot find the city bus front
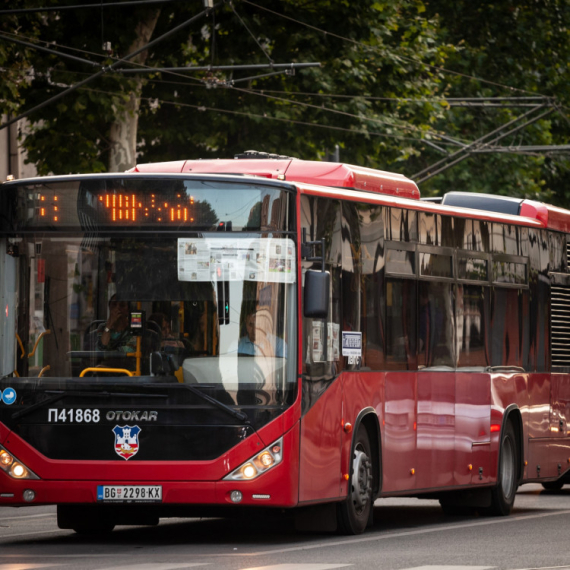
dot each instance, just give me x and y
(148, 346)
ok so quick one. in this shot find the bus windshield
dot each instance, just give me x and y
(98, 291)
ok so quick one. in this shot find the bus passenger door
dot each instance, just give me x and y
(399, 463)
(319, 469)
(436, 429)
(472, 428)
(560, 404)
(8, 304)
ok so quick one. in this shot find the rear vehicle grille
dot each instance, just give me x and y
(560, 337)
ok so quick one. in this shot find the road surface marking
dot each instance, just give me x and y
(299, 567)
(24, 566)
(152, 566)
(443, 567)
(27, 517)
(389, 535)
(3, 536)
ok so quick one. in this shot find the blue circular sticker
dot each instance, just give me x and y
(9, 396)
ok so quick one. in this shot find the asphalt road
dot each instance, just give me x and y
(407, 534)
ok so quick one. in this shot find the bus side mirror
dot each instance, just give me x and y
(316, 299)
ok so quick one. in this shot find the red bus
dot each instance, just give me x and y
(204, 337)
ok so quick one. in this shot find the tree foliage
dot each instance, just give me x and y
(509, 48)
(387, 70)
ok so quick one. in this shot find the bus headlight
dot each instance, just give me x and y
(5, 458)
(259, 464)
(13, 467)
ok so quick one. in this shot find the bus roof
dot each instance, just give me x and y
(331, 174)
(339, 175)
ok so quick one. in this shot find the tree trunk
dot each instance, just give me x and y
(123, 134)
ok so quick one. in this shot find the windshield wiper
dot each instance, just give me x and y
(59, 395)
(241, 416)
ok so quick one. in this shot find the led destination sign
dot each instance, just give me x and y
(121, 207)
(96, 203)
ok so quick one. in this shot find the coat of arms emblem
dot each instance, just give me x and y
(126, 440)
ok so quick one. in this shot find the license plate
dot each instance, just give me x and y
(129, 493)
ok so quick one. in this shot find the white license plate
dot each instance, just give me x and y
(130, 493)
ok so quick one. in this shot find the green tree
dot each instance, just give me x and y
(388, 68)
(16, 60)
(378, 50)
(506, 49)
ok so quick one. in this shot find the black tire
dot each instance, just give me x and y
(503, 495)
(354, 513)
(553, 485)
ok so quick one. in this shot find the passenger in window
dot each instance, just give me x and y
(258, 341)
(167, 336)
(199, 337)
(115, 333)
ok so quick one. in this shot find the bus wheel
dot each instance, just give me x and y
(503, 495)
(355, 511)
(553, 485)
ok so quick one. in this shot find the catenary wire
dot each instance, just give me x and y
(363, 45)
(410, 128)
(265, 117)
(98, 6)
(264, 93)
(104, 70)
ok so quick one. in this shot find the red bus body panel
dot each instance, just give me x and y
(439, 430)
(183, 482)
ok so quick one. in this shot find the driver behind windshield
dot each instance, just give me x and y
(115, 333)
(258, 341)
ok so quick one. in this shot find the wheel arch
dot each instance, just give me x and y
(369, 419)
(513, 414)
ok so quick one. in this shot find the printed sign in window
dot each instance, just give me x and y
(223, 259)
(351, 343)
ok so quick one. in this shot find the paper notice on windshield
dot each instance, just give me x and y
(351, 343)
(236, 259)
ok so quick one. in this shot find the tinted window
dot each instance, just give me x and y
(509, 272)
(447, 232)
(507, 327)
(478, 236)
(363, 280)
(400, 262)
(436, 324)
(429, 228)
(505, 239)
(321, 338)
(401, 324)
(436, 265)
(557, 247)
(473, 305)
(401, 225)
(473, 268)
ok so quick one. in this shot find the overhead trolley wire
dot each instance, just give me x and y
(203, 108)
(253, 66)
(80, 6)
(176, 72)
(51, 51)
(406, 58)
(112, 67)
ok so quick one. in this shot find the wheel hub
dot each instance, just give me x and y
(361, 479)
